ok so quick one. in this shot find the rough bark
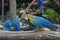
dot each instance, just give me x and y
(29, 35)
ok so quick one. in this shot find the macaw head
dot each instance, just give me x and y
(29, 17)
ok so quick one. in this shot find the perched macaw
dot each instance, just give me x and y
(7, 24)
(40, 3)
(40, 22)
(16, 24)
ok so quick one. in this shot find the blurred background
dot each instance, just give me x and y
(51, 9)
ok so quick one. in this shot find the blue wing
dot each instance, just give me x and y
(7, 24)
(43, 22)
(16, 24)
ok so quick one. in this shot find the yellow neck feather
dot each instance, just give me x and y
(30, 19)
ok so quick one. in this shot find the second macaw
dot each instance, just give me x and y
(40, 22)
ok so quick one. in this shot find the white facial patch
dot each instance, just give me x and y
(26, 18)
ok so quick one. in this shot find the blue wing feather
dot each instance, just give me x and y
(16, 24)
(7, 24)
(40, 21)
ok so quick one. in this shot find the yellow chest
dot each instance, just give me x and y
(32, 21)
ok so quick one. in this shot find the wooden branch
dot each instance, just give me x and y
(29, 35)
(21, 18)
(28, 8)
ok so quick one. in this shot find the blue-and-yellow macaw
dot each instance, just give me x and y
(40, 22)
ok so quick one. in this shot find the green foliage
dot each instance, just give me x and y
(17, 11)
(54, 16)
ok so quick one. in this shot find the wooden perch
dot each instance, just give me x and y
(29, 35)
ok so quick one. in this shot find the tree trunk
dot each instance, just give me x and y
(12, 8)
(29, 35)
(2, 10)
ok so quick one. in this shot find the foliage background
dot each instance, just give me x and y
(52, 11)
